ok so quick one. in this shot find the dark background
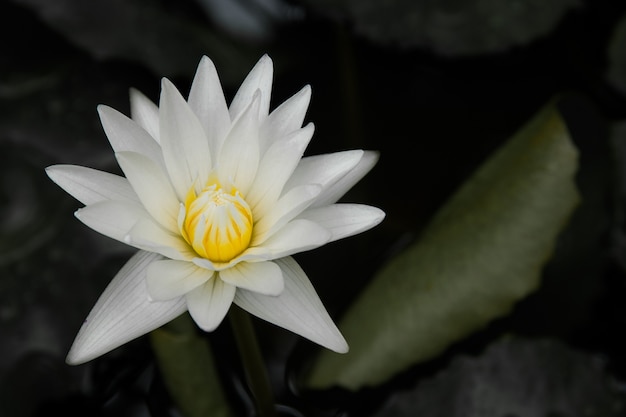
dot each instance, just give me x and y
(434, 86)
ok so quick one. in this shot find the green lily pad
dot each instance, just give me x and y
(147, 33)
(483, 251)
(515, 377)
(450, 27)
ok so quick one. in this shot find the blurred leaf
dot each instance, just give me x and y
(24, 213)
(515, 377)
(145, 32)
(251, 21)
(31, 382)
(451, 27)
(188, 369)
(618, 230)
(482, 252)
(617, 56)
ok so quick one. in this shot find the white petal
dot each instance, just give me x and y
(297, 308)
(344, 220)
(239, 157)
(123, 312)
(209, 303)
(146, 234)
(296, 236)
(90, 186)
(275, 168)
(184, 142)
(285, 118)
(262, 277)
(259, 78)
(113, 218)
(288, 206)
(152, 187)
(126, 135)
(324, 170)
(207, 101)
(336, 190)
(206, 264)
(169, 279)
(145, 113)
(250, 255)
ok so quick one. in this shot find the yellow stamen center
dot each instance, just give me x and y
(216, 223)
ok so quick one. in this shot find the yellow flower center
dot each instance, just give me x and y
(217, 223)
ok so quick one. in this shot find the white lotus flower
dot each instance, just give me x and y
(216, 198)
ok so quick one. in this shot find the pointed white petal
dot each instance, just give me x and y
(285, 118)
(336, 190)
(344, 220)
(209, 303)
(207, 101)
(184, 142)
(145, 113)
(297, 308)
(123, 312)
(286, 208)
(152, 187)
(112, 218)
(169, 279)
(146, 234)
(126, 135)
(239, 157)
(324, 170)
(275, 168)
(259, 78)
(262, 277)
(296, 236)
(90, 186)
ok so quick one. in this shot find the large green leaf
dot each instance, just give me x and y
(481, 253)
(186, 363)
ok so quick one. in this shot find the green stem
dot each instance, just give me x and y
(253, 364)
